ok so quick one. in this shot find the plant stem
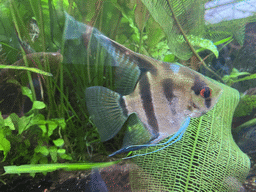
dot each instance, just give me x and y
(190, 45)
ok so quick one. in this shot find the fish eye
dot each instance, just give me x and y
(206, 92)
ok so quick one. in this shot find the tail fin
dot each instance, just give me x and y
(105, 108)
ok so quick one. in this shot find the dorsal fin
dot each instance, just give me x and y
(128, 64)
(126, 67)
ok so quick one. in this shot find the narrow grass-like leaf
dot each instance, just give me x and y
(53, 167)
(253, 76)
(35, 70)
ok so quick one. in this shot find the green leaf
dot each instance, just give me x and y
(136, 35)
(27, 142)
(203, 43)
(35, 158)
(21, 123)
(61, 151)
(8, 122)
(38, 105)
(53, 167)
(5, 145)
(24, 123)
(233, 77)
(249, 123)
(2, 123)
(245, 107)
(252, 76)
(58, 142)
(38, 119)
(53, 153)
(43, 128)
(43, 160)
(169, 58)
(25, 68)
(140, 15)
(42, 149)
(26, 91)
(224, 41)
(178, 20)
(65, 156)
(61, 122)
(51, 127)
(155, 33)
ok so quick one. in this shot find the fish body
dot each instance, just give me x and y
(152, 99)
(164, 99)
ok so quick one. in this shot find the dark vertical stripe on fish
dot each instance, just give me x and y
(208, 102)
(168, 92)
(198, 85)
(146, 97)
(146, 65)
(168, 89)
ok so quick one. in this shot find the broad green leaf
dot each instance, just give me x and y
(5, 145)
(203, 43)
(24, 123)
(58, 142)
(43, 128)
(26, 91)
(61, 122)
(169, 58)
(51, 127)
(8, 122)
(38, 105)
(178, 20)
(61, 151)
(35, 158)
(141, 15)
(65, 156)
(53, 153)
(43, 160)
(154, 32)
(42, 149)
(21, 123)
(38, 119)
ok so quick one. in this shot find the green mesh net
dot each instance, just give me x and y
(205, 159)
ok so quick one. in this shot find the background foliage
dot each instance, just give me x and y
(57, 126)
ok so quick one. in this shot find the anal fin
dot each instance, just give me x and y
(136, 134)
(172, 139)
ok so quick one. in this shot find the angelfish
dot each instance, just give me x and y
(153, 100)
